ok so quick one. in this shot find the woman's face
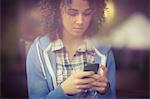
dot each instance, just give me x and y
(76, 17)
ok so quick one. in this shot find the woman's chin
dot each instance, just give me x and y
(78, 35)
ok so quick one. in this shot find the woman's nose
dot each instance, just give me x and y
(79, 19)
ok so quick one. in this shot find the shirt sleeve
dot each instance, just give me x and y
(111, 91)
(37, 84)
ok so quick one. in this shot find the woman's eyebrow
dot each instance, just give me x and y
(71, 9)
(88, 9)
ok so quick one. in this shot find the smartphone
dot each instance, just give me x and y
(91, 67)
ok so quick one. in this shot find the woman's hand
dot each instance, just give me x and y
(77, 82)
(101, 80)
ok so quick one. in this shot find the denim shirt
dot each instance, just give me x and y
(41, 83)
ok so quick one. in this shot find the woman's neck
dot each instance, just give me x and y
(70, 40)
(71, 44)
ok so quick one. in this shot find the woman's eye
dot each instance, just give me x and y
(87, 13)
(72, 13)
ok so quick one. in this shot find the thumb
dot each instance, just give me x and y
(102, 70)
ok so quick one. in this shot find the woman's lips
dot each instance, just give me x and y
(78, 29)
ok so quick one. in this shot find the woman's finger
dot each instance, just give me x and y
(82, 74)
(100, 89)
(84, 86)
(102, 70)
(84, 81)
(99, 84)
(98, 77)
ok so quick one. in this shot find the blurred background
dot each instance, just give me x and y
(127, 30)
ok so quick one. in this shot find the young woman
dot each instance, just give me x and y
(55, 61)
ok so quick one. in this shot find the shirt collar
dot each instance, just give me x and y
(57, 45)
(83, 47)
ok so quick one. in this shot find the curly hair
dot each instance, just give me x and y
(50, 10)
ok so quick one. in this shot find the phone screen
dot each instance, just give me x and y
(91, 67)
